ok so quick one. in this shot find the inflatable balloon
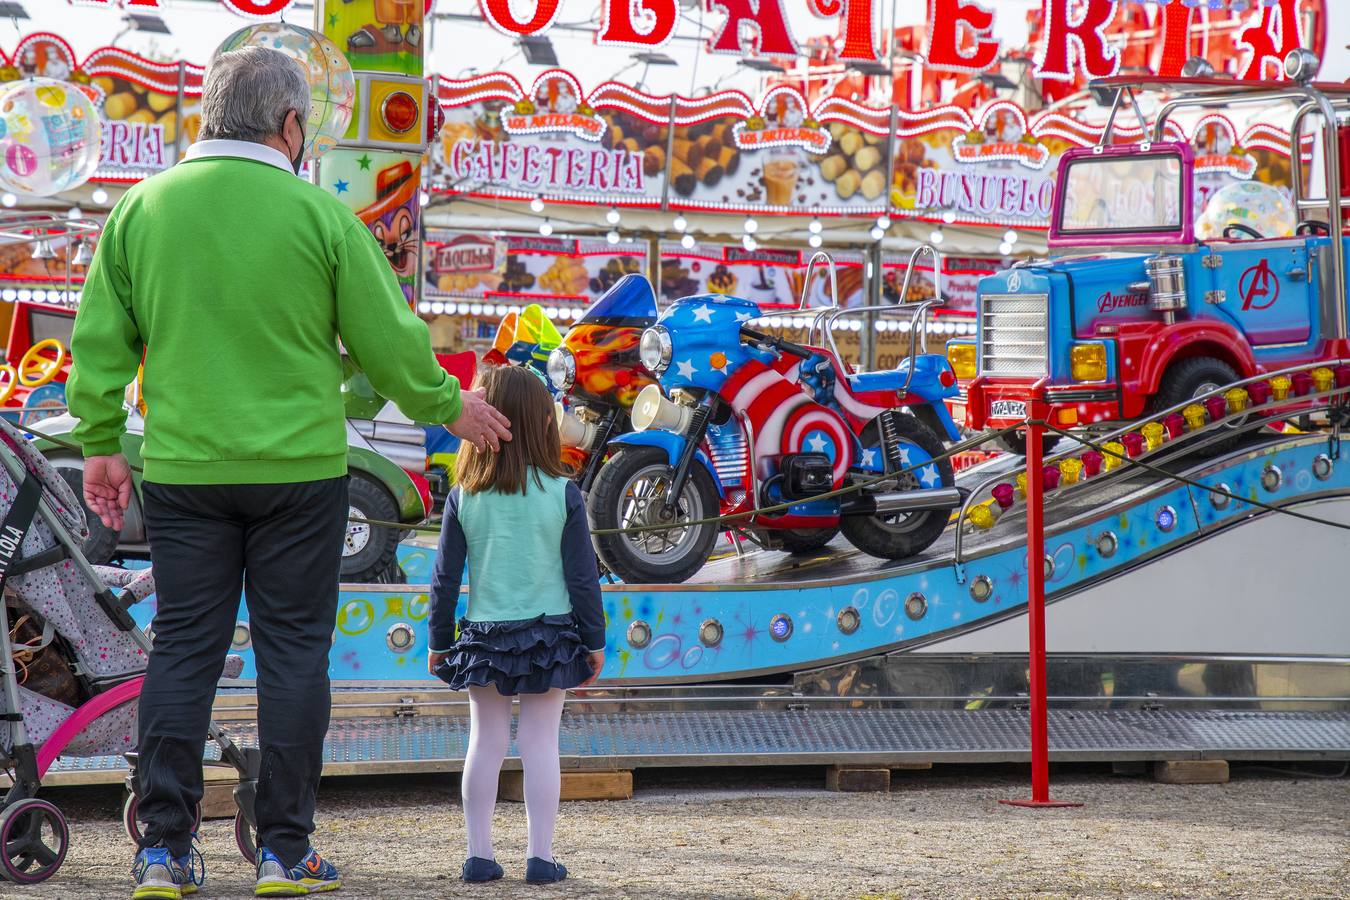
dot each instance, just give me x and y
(332, 87)
(1260, 207)
(50, 136)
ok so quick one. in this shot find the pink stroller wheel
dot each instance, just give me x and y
(246, 838)
(131, 823)
(35, 837)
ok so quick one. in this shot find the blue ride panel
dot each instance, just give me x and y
(785, 627)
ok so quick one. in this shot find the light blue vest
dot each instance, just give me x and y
(515, 551)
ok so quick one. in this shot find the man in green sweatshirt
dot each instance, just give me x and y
(234, 280)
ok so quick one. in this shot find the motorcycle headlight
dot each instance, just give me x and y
(655, 349)
(562, 369)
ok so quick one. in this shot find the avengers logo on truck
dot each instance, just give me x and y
(1109, 302)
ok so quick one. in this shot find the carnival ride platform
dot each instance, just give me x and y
(1183, 623)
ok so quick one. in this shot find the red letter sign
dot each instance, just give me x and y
(949, 21)
(1055, 58)
(857, 25)
(498, 14)
(1176, 43)
(1261, 38)
(258, 9)
(617, 25)
(771, 37)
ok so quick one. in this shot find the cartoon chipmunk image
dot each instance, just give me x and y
(392, 220)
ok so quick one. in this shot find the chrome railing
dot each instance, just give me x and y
(1244, 419)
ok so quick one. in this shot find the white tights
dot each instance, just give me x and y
(537, 740)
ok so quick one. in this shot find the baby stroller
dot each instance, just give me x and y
(73, 661)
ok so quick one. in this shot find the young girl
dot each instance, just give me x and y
(534, 624)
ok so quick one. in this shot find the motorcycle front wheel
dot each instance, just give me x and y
(630, 492)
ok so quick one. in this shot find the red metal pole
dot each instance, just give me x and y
(1040, 734)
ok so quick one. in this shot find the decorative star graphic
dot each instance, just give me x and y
(817, 443)
(686, 368)
(869, 457)
(929, 476)
(743, 317)
(364, 162)
(904, 455)
(333, 20)
(341, 186)
(703, 314)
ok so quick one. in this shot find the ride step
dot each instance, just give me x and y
(615, 785)
(858, 779)
(218, 784)
(1191, 771)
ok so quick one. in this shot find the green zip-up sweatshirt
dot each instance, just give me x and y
(236, 280)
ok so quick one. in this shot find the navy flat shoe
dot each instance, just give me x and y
(543, 871)
(476, 868)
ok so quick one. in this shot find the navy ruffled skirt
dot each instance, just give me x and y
(529, 656)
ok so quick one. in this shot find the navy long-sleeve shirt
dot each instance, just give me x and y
(528, 555)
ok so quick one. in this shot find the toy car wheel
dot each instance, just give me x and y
(246, 838)
(35, 838)
(1192, 378)
(102, 543)
(901, 535)
(629, 492)
(131, 822)
(806, 540)
(1016, 442)
(368, 550)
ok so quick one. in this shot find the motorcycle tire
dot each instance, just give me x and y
(915, 531)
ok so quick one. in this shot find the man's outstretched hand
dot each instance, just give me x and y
(107, 488)
(479, 423)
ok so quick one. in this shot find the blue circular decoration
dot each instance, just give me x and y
(1166, 518)
(780, 627)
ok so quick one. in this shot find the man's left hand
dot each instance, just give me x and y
(107, 488)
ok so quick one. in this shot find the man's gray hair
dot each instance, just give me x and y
(248, 93)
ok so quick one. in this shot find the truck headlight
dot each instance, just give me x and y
(961, 356)
(655, 349)
(1087, 362)
(562, 369)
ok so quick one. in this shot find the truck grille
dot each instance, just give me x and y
(1013, 334)
(726, 444)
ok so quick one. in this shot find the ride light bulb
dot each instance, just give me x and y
(1005, 494)
(1194, 414)
(883, 222)
(9, 199)
(814, 240)
(1134, 443)
(1238, 399)
(1092, 463)
(99, 196)
(1279, 386)
(1005, 249)
(1113, 456)
(1010, 236)
(612, 237)
(545, 228)
(1217, 407)
(751, 226)
(749, 243)
(1050, 478)
(612, 217)
(949, 217)
(1175, 425)
(815, 226)
(679, 223)
(937, 237)
(1070, 471)
(537, 204)
(1153, 434)
(1322, 379)
(687, 242)
(876, 233)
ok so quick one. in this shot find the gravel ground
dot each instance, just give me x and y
(775, 833)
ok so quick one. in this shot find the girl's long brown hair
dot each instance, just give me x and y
(519, 395)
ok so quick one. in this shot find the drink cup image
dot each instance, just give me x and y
(780, 180)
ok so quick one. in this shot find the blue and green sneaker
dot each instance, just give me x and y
(312, 875)
(160, 876)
